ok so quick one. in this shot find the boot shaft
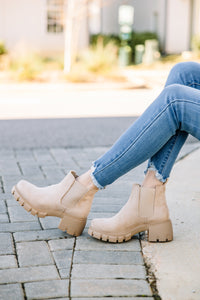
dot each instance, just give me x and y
(150, 202)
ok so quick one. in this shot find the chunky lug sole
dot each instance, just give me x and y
(161, 232)
(72, 225)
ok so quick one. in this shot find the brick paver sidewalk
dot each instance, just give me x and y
(38, 261)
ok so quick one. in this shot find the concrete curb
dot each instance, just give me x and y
(176, 265)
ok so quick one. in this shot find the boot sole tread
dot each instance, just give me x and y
(161, 232)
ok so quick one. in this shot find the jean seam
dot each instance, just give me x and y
(168, 156)
(164, 109)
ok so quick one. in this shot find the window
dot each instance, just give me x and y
(55, 16)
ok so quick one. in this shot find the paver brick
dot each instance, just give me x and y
(46, 289)
(4, 218)
(105, 201)
(40, 235)
(53, 172)
(8, 261)
(24, 155)
(12, 202)
(95, 271)
(10, 167)
(11, 291)
(9, 181)
(63, 259)
(113, 298)
(50, 222)
(65, 298)
(64, 273)
(123, 193)
(30, 168)
(19, 214)
(62, 157)
(6, 154)
(28, 274)
(3, 208)
(64, 244)
(19, 226)
(4, 196)
(88, 243)
(6, 244)
(107, 257)
(103, 288)
(34, 254)
(43, 156)
(113, 208)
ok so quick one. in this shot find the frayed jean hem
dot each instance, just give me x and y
(151, 167)
(96, 183)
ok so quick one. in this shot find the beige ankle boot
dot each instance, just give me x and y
(68, 200)
(146, 209)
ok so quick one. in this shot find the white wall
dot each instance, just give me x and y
(2, 15)
(178, 26)
(25, 22)
(196, 18)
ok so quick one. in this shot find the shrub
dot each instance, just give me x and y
(55, 62)
(2, 48)
(136, 39)
(27, 66)
(195, 43)
(100, 57)
(105, 38)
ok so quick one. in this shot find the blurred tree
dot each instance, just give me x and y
(75, 12)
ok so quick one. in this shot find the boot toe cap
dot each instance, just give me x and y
(24, 188)
(23, 184)
(103, 225)
(97, 224)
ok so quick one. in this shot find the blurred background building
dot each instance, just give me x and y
(40, 23)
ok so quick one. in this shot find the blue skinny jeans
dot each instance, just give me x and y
(159, 133)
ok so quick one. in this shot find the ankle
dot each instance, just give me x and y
(150, 180)
(86, 180)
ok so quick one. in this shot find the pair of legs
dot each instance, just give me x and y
(157, 135)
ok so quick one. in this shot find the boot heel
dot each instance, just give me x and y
(72, 225)
(162, 232)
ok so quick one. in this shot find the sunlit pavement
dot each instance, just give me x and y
(63, 101)
(60, 115)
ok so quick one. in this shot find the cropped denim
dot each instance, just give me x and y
(159, 133)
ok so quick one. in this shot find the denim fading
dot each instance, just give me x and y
(159, 133)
